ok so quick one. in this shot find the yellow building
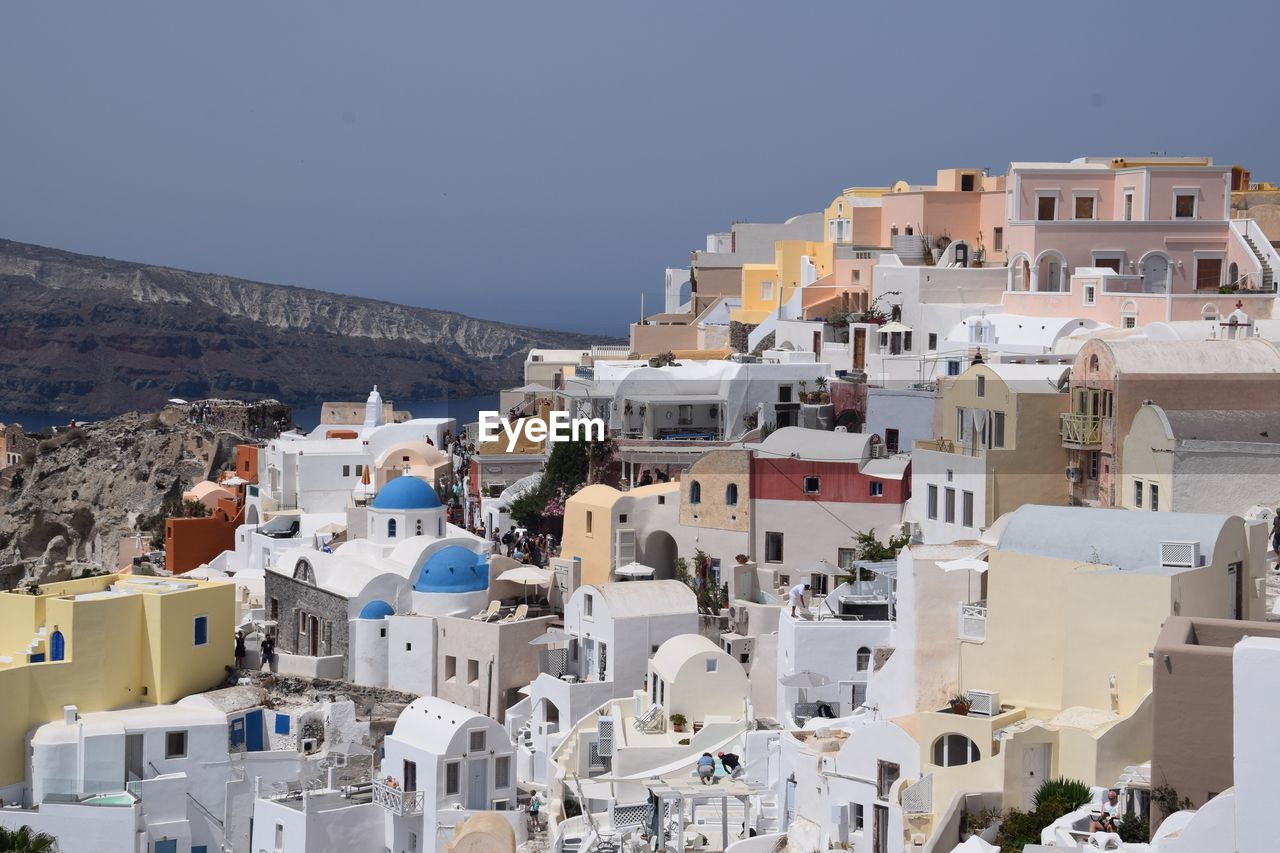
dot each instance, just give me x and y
(853, 217)
(106, 642)
(606, 528)
(766, 287)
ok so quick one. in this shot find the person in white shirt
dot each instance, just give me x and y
(797, 596)
(1109, 814)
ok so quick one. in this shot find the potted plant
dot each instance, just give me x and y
(982, 823)
(678, 722)
(960, 704)
(821, 384)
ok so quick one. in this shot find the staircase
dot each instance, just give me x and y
(1268, 274)
(767, 821)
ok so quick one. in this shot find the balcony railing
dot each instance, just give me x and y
(946, 445)
(973, 621)
(1082, 430)
(396, 801)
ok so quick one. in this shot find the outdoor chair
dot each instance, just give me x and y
(520, 612)
(489, 612)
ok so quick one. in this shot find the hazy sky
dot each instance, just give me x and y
(542, 162)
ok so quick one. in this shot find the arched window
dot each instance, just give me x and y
(954, 750)
(731, 494)
(391, 528)
(1209, 311)
(57, 646)
(864, 659)
(695, 492)
(1093, 364)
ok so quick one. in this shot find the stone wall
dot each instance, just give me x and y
(292, 596)
(738, 335)
(263, 419)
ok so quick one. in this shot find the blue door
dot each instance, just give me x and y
(57, 646)
(169, 845)
(253, 730)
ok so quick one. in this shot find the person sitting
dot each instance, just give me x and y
(1109, 815)
(707, 768)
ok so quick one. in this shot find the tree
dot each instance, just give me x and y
(572, 465)
(25, 840)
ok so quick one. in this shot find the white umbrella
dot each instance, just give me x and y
(234, 481)
(805, 678)
(822, 567)
(550, 638)
(964, 564)
(332, 527)
(526, 576)
(177, 401)
(634, 570)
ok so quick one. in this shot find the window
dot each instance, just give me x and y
(877, 489)
(950, 517)
(773, 547)
(954, 750)
(997, 239)
(279, 836)
(588, 522)
(588, 601)
(906, 342)
(450, 668)
(391, 528)
(175, 744)
(695, 492)
(886, 774)
(1093, 464)
(784, 393)
(346, 470)
(891, 440)
(953, 368)
(502, 772)
(359, 470)
(766, 290)
(1084, 204)
(1208, 273)
(982, 385)
(275, 610)
(473, 672)
(478, 741)
(856, 819)
(622, 518)
(410, 775)
(1047, 207)
(1155, 498)
(966, 509)
(452, 778)
(711, 664)
(408, 647)
(811, 485)
(933, 502)
(1184, 205)
(200, 631)
(731, 494)
(413, 842)
(1090, 295)
(1129, 321)
(864, 659)
(686, 415)
(997, 429)
(1137, 493)
(933, 341)
(282, 724)
(1128, 205)
(966, 183)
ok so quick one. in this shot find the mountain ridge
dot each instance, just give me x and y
(98, 336)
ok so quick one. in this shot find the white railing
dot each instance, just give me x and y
(1250, 229)
(918, 798)
(973, 621)
(1131, 284)
(396, 801)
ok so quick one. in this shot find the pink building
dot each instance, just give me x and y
(1132, 242)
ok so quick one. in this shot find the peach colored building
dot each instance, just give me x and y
(964, 204)
(1110, 381)
(1130, 242)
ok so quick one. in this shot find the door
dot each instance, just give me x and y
(313, 636)
(168, 845)
(1155, 274)
(253, 731)
(410, 776)
(881, 830)
(860, 348)
(588, 658)
(478, 784)
(1235, 601)
(1208, 274)
(1035, 770)
(817, 345)
(132, 758)
(57, 646)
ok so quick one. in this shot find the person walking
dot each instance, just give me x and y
(240, 650)
(268, 649)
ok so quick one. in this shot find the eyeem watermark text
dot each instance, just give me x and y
(558, 427)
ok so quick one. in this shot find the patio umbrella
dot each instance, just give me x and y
(177, 401)
(526, 576)
(234, 481)
(332, 527)
(964, 564)
(634, 570)
(550, 638)
(805, 678)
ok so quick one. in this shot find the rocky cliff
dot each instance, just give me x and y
(79, 492)
(94, 337)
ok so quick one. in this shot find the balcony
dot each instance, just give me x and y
(973, 621)
(946, 445)
(1082, 431)
(396, 801)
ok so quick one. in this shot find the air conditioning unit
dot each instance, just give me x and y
(1182, 553)
(310, 745)
(737, 618)
(984, 703)
(1073, 475)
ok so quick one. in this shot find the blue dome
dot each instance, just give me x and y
(454, 569)
(376, 609)
(406, 493)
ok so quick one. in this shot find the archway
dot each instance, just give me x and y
(1050, 273)
(1155, 272)
(659, 552)
(850, 420)
(251, 517)
(1019, 273)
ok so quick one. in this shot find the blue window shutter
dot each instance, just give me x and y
(202, 630)
(282, 724)
(199, 848)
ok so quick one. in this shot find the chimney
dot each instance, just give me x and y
(70, 714)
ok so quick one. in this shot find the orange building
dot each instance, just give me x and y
(192, 542)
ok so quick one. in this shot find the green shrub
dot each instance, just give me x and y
(1019, 829)
(1135, 830)
(1061, 796)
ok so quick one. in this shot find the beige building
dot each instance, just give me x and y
(1111, 380)
(997, 449)
(607, 528)
(482, 665)
(1200, 461)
